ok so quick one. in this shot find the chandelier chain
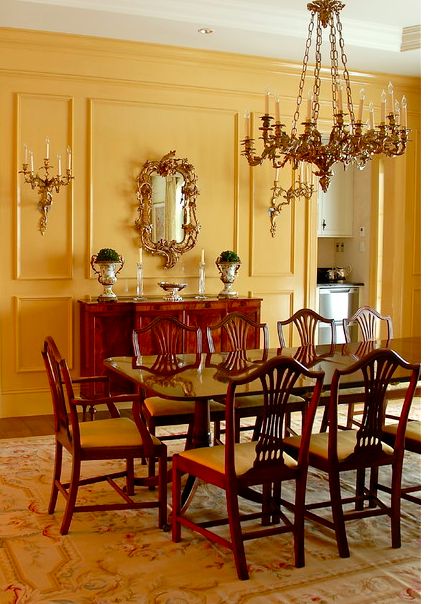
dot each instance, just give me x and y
(334, 67)
(303, 75)
(317, 80)
(345, 71)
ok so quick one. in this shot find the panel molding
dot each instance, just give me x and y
(20, 98)
(21, 340)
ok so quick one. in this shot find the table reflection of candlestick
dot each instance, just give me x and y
(140, 287)
(201, 281)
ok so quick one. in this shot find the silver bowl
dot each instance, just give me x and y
(172, 289)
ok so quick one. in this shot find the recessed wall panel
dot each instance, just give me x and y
(48, 256)
(36, 318)
(123, 137)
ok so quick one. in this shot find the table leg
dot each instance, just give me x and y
(201, 437)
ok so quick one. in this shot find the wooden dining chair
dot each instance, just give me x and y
(170, 336)
(371, 326)
(412, 443)
(361, 449)
(370, 323)
(104, 439)
(307, 323)
(239, 467)
(237, 333)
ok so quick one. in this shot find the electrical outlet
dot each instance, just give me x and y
(340, 246)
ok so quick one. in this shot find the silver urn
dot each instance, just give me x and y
(107, 271)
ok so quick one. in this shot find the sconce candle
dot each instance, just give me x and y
(140, 255)
(47, 148)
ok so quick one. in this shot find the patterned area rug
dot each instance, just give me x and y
(122, 557)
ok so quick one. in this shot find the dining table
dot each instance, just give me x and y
(201, 377)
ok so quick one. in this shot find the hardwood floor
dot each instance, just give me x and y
(34, 425)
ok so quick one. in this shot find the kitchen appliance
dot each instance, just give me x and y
(333, 274)
(337, 302)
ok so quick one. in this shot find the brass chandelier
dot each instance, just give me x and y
(349, 142)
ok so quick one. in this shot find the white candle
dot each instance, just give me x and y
(59, 165)
(140, 254)
(390, 98)
(31, 161)
(47, 148)
(267, 102)
(371, 116)
(276, 174)
(361, 106)
(339, 99)
(382, 107)
(247, 124)
(404, 108)
(202, 256)
(69, 158)
(277, 110)
(25, 154)
(302, 172)
(397, 112)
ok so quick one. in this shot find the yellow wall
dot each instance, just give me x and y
(118, 104)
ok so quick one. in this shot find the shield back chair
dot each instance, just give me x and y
(105, 439)
(412, 443)
(371, 326)
(236, 333)
(361, 449)
(87, 388)
(239, 467)
(169, 336)
(307, 322)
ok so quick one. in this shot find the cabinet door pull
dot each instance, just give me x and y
(324, 224)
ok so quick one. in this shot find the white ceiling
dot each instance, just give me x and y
(372, 29)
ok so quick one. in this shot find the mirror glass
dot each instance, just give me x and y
(166, 193)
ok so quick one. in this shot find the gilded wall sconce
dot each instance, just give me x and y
(45, 183)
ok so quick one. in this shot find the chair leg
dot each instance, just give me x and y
(56, 477)
(359, 488)
(350, 416)
(257, 427)
(236, 535)
(72, 496)
(338, 518)
(130, 482)
(299, 523)
(395, 505)
(176, 503)
(162, 490)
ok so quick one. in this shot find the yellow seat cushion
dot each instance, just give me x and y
(346, 441)
(115, 432)
(413, 430)
(159, 407)
(213, 457)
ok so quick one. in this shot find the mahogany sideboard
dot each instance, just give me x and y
(106, 327)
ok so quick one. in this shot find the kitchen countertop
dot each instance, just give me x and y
(330, 284)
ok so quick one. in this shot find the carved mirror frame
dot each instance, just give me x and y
(169, 165)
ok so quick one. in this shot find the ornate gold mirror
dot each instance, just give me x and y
(166, 193)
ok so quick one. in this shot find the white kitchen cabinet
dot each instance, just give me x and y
(335, 207)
